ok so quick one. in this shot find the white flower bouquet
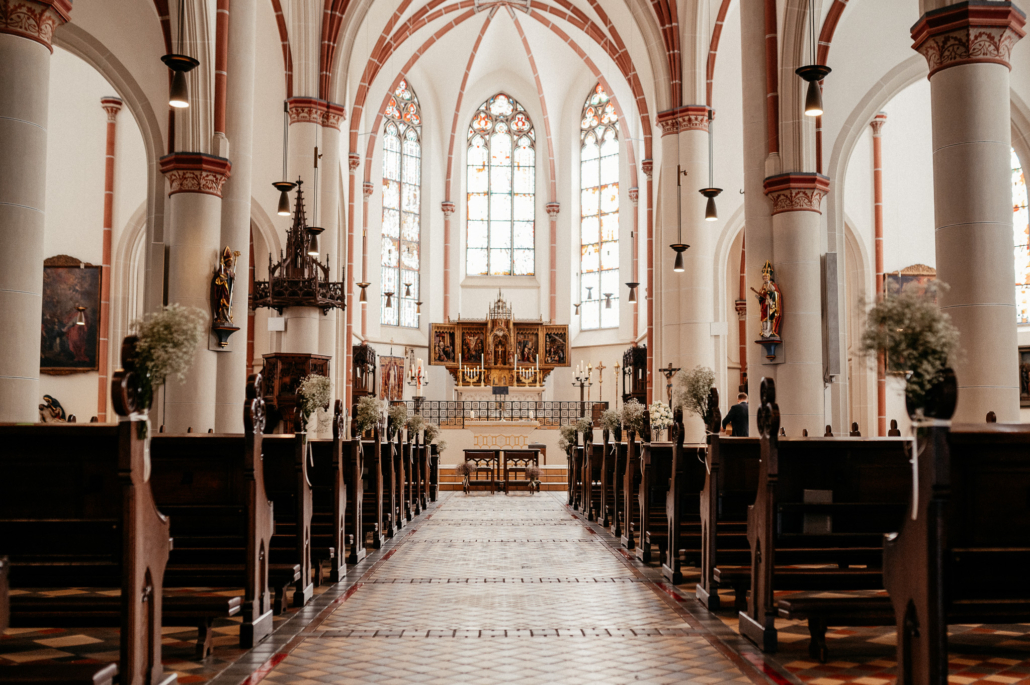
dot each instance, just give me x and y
(661, 415)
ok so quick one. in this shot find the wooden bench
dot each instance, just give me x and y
(484, 468)
(630, 492)
(353, 456)
(618, 454)
(730, 486)
(963, 549)
(330, 537)
(288, 487)
(392, 483)
(213, 488)
(655, 475)
(593, 462)
(516, 463)
(604, 514)
(76, 509)
(374, 492)
(820, 513)
(413, 464)
(423, 475)
(434, 472)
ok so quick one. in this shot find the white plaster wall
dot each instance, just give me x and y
(77, 136)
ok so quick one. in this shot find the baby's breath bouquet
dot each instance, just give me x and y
(633, 416)
(584, 425)
(414, 424)
(661, 415)
(167, 342)
(610, 420)
(368, 414)
(916, 336)
(315, 394)
(568, 438)
(692, 389)
(397, 416)
(431, 432)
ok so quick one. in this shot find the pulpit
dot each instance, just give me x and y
(283, 374)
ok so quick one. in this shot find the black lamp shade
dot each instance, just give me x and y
(711, 193)
(633, 291)
(284, 188)
(607, 300)
(679, 249)
(418, 307)
(814, 100)
(313, 232)
(363, 298)
(80, 318)
(179, 96)
(389, 300)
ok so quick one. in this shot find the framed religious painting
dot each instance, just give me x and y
(444, 348)
(70, 328)
(556, 346)
(391, 371)
(1024, 376)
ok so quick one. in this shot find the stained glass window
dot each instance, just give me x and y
(501, 179)
(402, 184)
(599, 212)
(1021, 239)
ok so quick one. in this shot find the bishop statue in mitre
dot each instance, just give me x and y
(770, 303)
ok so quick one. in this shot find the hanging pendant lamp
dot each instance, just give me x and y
(633, 291)
(180, 64)
(679, 247)
(80, 318)
(363, 298)
(389, 300)
(608, 300)
(313, 233)
(284, 187)
(813, 73)
(418, 307)
(576, 313)
(711, 192)
(407, 290)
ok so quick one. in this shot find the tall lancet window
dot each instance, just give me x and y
(402, 184)
(1021, 238)
(501, 190)
(599, 212)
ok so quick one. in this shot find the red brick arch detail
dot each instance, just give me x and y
(284, 38)
(713, 49)
(822, 54)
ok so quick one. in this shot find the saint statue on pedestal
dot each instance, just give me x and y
(770, 304)
(222, 287)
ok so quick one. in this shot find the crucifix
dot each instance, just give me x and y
(616, 372)
(669, 372)
(600, 381)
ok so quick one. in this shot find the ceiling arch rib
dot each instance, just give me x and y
(423, 18)
(713, 50)
(284, 37)
(543, 105)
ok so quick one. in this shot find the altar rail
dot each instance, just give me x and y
(454, 414)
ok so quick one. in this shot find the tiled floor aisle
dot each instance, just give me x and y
(502, 589)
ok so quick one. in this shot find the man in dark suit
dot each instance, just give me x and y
(736, 417)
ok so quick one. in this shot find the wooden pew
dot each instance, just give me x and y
(401, 487)
(604, 515)
(630, 490)
(963, 548)
(655, 475)
(434, 472)
(76, 509)
(423, 474)
(389, 458)
(590, 493)
(674, 501)
(329, 481)
(414, 465)
(213, 488)
(619, 454)
(803, 539)
(285, 459)
(374, 492)
(731, 483)
(353, 456)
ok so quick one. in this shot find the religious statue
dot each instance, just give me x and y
(770, 303)
(51, 411)
(222, 286)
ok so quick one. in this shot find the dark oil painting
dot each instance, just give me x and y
(66, 347)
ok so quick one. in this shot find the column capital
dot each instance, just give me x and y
(448, 208)
(335, 115)
(799, 192)
(34, 19)
(647, 166)
(741, 307)
(878, 123)
(972, 32)
(112, 106)
(353, 162)
(686, 118)
(552, 210)
(366, 189)
(634, 195)
(195, 172)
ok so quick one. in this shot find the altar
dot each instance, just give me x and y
(499, 435)
(515, 394)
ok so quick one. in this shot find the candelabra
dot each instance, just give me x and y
(417, 379)
(583, 381)
(669, 372)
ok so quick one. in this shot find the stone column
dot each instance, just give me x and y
(634, 197)
(26, 31)
(796, 207)
(353, 162)
(237, 117)
(112, 106)
(195, 182)
(647, 166)
(552, 215)
(448, 208)
(329, 219)
(881, 369)
(302, 330)
(686, 303)
(366, 193)
(967, 47)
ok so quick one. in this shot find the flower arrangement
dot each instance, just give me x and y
(633, 416)
(661, 415)
(167, 342)
(533, 476)
(414, 424)
(611, 421)
(464, 469)
(441, 446)
(569, 437)
(397, 416)
(368, 414)
(315, 394)
(431, 431)
(915, 335)
(692, 388)
(584, 425)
